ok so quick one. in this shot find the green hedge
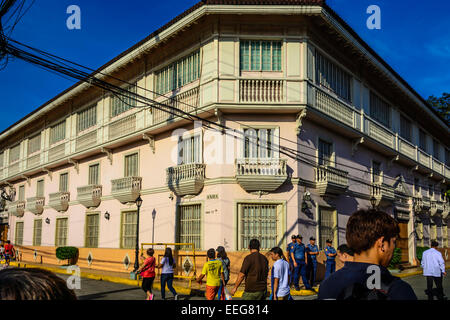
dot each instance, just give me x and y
(396, 258)
(419, 252)
(63, 253)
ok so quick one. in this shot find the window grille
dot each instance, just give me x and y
(129, 229)
(92, 227)
(37, 234)
(87, 118)
(325, 153)
(58, 132)
(332, 77)
(189, 230)
(19, 233)
(61, 232)
(258, 221)
(327, 226)
(131, 165)
(260, 55)
(63, 182)
(93, 174)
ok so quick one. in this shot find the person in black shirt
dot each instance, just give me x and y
(371, 235)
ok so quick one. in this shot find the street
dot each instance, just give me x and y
(103, 290)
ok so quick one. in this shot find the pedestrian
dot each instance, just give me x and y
(280, 275)
(9, 252)
(433, 269)
(371, 234)
(289, 259)
(2, 251)
(299, 258)
(167, 264)
(312, 251)
(33, 284)
(255, 270)
(344, 253)
(213, 270)
(331, 254)
(222, 256)
(147, 272)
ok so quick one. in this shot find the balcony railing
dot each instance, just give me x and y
(331, 181)
(89, 196)
(383, 193)
(188, 101)
(261, 90)
(57, 152)
(34, 161)
(13, 169)
(333, 107)
(36, 205)
(17, 208)
(126, 189)
(122, 127)
(261, 174)
(186, 179)
(407, 148)
(86, 141)
(59, 201)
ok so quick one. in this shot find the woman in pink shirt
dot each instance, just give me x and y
(147, 272)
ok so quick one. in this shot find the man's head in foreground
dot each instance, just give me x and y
(372, 234)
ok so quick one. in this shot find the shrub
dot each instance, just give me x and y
(419, 252)
(396, 258)
(69, 253)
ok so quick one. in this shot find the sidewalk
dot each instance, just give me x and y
(123, 278)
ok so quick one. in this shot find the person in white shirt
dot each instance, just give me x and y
(433, 268)
(280, 275)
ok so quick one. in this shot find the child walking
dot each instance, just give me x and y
(213, 270)
(167, 264)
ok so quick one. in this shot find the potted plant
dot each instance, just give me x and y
(67, 253)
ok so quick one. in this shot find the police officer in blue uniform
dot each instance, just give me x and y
(289, 258)
(299, 258)
(331, 253)
(312, 250)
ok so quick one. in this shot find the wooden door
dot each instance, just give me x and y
(402, 242)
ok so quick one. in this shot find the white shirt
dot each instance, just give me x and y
(281, 271)
(432, 263)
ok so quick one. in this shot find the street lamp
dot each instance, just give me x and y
(373, 202)
(136, 261)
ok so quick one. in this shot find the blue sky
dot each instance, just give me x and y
(414, 39)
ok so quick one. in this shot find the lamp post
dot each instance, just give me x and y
(136, 261)
(373, 202)
(153, 226)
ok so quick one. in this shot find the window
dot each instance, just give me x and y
(260, 55)
(129, 228)
(325, 153)
(380, 110)
(405, 128)
(37, 233)
(327, 226)
(63, 182)
(14, 154)
(258, 221)
(332, 77)
(436, 153)
(40, 188)
(34, 144)
(58, 132)
(132, 165)
(376, 172)
(178, 73)
(190, 150)
(189, 225)
(92, 226)
(87, 118)
(61, 232)
(19, 233)
(93, 174)
(122, 103)
(259, 143)
(423, 140)
(21, 193)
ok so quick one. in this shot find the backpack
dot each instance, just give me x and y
(359, 291)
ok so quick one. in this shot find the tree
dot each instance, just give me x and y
(441, 105)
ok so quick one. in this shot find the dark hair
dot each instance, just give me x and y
(343, 248)
(150, 252)
(221, 253)
(434, 243)
(365, 227)
(8, 242)
(168, 254)
(278, 251)
(254, 244)
(211, 253)
(33, 284)
(329, 241)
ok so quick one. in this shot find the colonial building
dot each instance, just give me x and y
(328, 127)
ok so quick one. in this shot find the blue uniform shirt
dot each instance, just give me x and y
(289, 249)
(299, 251)
(312, 248)
(330, 250)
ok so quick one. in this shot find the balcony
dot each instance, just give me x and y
(263, 175)
(383, 193)
(36, 205)
(89, 196)
(186, 179)
(437, 208)
(261, 91)
(331, 181)
(17, 208)
(59, 201)
(126, 189)
(187, 101)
